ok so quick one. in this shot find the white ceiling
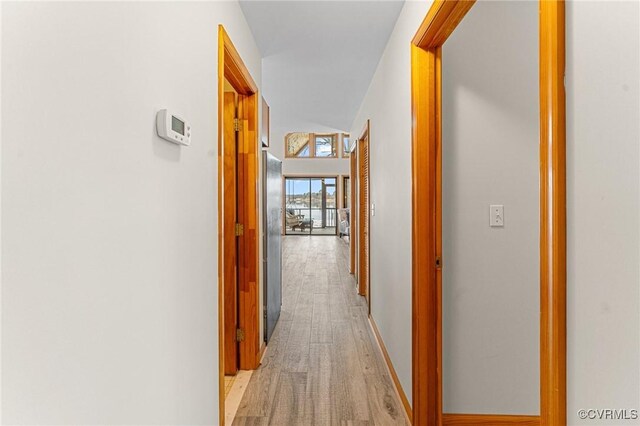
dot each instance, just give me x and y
(319, 56)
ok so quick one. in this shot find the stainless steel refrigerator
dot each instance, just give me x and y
(272, 242)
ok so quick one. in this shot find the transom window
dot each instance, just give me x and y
(345, 145)
(316, 145)
(325, 145)
(297, 145)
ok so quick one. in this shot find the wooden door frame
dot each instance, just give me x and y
(364, 286)
(232, 68)
(426, 85)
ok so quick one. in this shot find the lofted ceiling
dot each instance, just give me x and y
(319, 56)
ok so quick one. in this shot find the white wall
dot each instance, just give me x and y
(490, 155)
(388, 105)
(109, 242)
(603, 185)
(603, 224)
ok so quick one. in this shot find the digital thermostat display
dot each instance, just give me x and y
(177, 125)
(173, 128)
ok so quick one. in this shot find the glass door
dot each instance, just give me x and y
(310, 206)
(297, 206)
(329, 207)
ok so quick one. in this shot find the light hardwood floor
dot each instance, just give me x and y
(322, 366)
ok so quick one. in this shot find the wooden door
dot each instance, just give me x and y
(230, 275)
(363, 217)
(248, 169)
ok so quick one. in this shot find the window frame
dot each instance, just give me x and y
(339, 150)
(346, 150)
(310, 144)
(334, 140)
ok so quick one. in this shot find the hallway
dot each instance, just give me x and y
(323, 365)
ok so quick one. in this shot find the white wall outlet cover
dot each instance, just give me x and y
(373, 209)
(496, 215)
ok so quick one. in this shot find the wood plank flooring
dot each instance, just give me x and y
(322, 366)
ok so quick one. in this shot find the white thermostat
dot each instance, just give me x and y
(173, 128)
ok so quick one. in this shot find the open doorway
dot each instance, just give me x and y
(360, 225)
(310, 205)
(427, 92)
(238, 225)
(364, 203)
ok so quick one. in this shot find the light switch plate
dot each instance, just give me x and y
(496, 215)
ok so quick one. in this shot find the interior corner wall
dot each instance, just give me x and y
(603, 202)
(388, 105)
(109, 233)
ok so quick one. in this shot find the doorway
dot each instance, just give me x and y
(361, 203)
(427, 225)
(238, 225)
(310, 205)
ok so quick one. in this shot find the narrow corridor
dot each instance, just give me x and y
(323, 365)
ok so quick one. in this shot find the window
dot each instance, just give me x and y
(345, 145)
(297, 145)
(316, 145)
(325, 145)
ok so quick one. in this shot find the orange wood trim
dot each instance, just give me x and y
(440, 22)
(489, 419)
(423, 242)
(234, 69)
(443, 17)
(231, 67)
(552, 215)
(392, 371)
(438, 223)
(221, 333)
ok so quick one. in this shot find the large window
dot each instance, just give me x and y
(316, 145)
(310, 206)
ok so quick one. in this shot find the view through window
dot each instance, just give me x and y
(316, 145)
(310, 206)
